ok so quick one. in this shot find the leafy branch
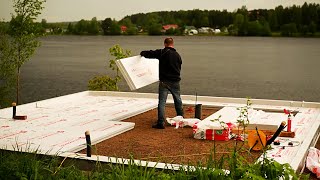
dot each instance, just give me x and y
(105, 82)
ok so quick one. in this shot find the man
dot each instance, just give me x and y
(169, 75)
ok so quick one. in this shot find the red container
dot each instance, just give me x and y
(289, 123)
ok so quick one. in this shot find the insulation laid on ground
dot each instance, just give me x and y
(58, 125)
(210, 128)
(256, 117)
(51, 122)
(305, 124)
(139, 71)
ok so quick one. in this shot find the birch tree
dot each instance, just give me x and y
(23, 34)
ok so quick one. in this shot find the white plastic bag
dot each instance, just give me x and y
(313, 161)
(179, 121)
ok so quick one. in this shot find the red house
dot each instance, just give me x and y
(169, 26)
(123, 29)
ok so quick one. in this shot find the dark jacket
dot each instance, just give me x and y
(169, 63)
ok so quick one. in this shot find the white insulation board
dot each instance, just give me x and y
(58, 124)
(231, 114)
(139, 71)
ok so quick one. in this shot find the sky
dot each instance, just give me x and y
(75, 10)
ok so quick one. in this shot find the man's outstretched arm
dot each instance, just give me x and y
(151, 53)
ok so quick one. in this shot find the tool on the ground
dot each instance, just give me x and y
(88, 140)
(256, 140)
(14, 116)
(276, 134)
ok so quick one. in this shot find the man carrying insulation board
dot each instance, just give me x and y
(169, 76)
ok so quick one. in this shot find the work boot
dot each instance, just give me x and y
(158, 126)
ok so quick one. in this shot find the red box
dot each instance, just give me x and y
(211, 134)
(219, 135)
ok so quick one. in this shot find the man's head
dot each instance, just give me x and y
(168, 42)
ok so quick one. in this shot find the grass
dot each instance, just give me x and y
(20, 165)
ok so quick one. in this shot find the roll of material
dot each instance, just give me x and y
(198, 111)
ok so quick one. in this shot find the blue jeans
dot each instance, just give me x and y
(164, 89)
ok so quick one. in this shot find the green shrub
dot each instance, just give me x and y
(105, 82)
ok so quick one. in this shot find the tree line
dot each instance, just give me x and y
(286, 21)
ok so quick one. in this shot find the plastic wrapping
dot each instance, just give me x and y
(313, 161)
(213, 131)
(179, 121)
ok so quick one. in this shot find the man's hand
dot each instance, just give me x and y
(142, 53)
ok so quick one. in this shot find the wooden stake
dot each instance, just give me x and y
(14, 110)
(14, 113)
(88, 140)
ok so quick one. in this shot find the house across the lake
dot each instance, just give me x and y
(169, 26)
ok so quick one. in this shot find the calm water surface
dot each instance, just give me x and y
(256, 67)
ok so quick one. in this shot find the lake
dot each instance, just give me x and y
(256, 67)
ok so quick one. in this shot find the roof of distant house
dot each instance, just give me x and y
(123, 28)
(169, 26)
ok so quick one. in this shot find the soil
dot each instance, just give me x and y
(169, 145)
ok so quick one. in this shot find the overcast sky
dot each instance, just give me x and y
(75, 10)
